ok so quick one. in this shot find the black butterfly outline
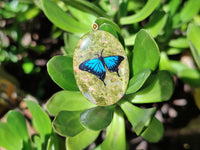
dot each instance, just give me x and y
(97, 66)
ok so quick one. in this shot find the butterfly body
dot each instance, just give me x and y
(98, 65)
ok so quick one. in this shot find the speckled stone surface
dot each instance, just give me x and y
(90, 85)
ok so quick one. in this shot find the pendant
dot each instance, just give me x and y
(101, 68)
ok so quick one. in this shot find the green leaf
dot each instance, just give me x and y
(138, 117)
(158, 88)
(97, 118)
(55, 142)
(70, 41)
(8, 140)
(115, 134)
(41, 121)
(142, 14)
(173, 6)
(190, 76)
(146, 52)
(31, 13)
(172, 66)
(110, 6)
(174, 51)
(86, 6)
(79, 15)
(17, 125)
(123, 9)
(102, 20)
(156, 23)
(130, 40)
(37, 142)
(176, 66)
(68, 100)
(193, 33)
(67, 123)
(154, 132)
(176, 21)
(62, 19)
(179, 43)
(164, 63)
(138, 80)
(60, 69)
(108, 28)
(190, 8)
(20, 130)
(81, 140)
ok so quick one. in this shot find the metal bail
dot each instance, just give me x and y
(95, 26)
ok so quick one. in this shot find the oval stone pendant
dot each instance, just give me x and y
(101, 68)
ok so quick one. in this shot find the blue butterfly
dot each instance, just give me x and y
(97, 66)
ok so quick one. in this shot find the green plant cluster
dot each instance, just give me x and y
(14, 133)
(151, 32)
(14, 42)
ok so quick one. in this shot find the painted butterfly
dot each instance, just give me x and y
(97, 66)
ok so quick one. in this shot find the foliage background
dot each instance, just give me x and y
(29, 39)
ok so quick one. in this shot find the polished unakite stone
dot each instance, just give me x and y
(90, 76)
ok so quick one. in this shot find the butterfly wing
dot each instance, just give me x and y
(94, 66)
(113, 62)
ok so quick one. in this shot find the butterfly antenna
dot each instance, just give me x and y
(118, 73)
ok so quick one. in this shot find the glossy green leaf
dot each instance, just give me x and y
(158, 88)
(154, 131)
(190, 8)
(156, 23)
(70, 41)
(81, 140)
(41, 121)
(60, 69)
(115, 134)
(97, 118)
(8, 140)
(79, 15)
(193, 33)
(142, 14)
(62, 19)
(138, 80)
(190, 76)
(130, 40)
(179, 43)
(86, 6)
(68, 100)
(138, 117)
(17, 125)
(146, 52)
(108, 28)
(102, 20)
(67, 123)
